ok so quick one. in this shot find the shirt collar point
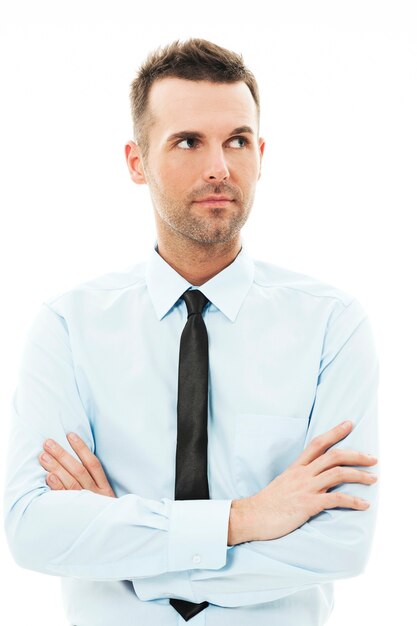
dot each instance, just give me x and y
(226, 290)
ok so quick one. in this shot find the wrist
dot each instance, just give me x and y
(241, 521)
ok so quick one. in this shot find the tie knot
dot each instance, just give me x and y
(195, 301)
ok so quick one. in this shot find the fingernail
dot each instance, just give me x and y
(47, 458)
(346, 424)
(72, 437)
(50, 444)
(53, 479)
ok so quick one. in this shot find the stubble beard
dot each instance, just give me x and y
(215, 225)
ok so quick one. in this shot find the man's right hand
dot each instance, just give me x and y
(301, 490)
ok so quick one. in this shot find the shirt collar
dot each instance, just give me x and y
(226, 290)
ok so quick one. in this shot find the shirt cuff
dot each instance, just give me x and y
(198, 534)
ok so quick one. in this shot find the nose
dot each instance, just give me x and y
(215, 167)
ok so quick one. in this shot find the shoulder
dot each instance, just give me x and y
(308, 294)
(101, 288)
(274, 276)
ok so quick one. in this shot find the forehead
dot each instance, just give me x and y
(176, 102)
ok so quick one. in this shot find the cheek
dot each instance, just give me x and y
(246, 174)
(244, 165)
(177, 176)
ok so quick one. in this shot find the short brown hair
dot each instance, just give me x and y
(194, 59)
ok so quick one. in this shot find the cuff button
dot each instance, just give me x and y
(196, 558)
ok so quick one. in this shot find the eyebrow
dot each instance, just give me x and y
(195, 133)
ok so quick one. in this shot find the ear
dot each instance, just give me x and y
(134, 163)
(261, 153)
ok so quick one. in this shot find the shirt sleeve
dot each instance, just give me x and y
(82, 534)
(334, 544)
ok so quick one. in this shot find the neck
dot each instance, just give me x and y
(198, 262)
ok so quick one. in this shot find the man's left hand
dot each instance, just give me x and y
(66, 473)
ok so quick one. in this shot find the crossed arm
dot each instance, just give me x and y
(289, 501)
(106, 538)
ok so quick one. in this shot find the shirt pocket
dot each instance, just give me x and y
(264, 446)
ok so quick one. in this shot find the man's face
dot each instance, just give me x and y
(208, 156)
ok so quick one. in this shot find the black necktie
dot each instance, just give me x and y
(191, 459)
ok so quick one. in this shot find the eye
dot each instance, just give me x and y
(193, 140)
(187, 139)
(245, 141)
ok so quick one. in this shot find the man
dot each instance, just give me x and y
(290, 359)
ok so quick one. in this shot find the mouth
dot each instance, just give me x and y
(213, 202)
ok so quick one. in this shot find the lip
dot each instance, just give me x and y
(216, 199)
(215, 202)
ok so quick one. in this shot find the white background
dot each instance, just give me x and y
(336, 200)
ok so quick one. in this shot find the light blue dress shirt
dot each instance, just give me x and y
(289, 358)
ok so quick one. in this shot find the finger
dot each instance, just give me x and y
(51, 465)
(319, 444)
(340, 456)
(54, 483)
(89, 460)
(344, 500)
(73, 467)
(340, 475)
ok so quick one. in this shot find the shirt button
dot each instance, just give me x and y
(196, 558)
